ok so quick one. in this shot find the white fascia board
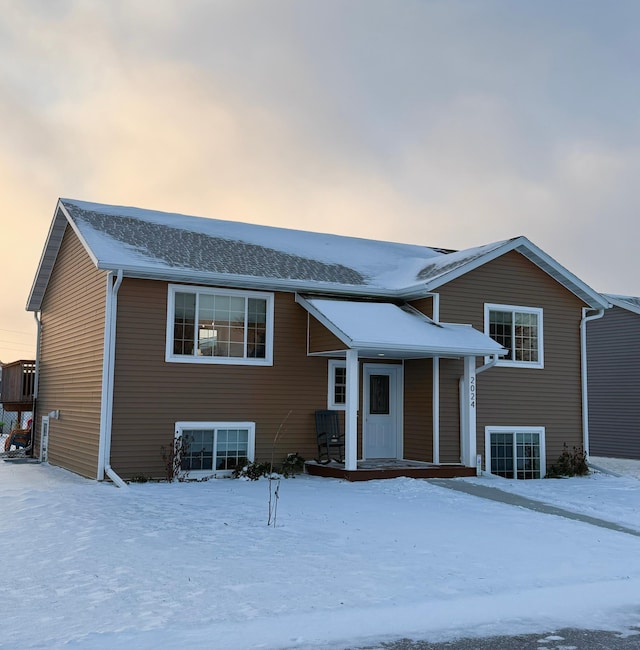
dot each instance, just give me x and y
(425, 350)
(538, 257)
(189, 276)
(570, 281)
(463, 269)
(619, 301)
(80, 236)
(48, 257)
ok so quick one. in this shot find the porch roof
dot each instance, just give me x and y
(389, 330)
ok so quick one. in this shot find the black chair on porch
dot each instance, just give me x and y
(330, 437)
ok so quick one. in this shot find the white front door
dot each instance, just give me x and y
(382, 400)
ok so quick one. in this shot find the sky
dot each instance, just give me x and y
(445, 123)
(342, 565)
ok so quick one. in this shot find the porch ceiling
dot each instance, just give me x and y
(397, 332)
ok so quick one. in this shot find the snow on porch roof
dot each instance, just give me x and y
(378, 328)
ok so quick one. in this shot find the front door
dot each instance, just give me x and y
(382, 392)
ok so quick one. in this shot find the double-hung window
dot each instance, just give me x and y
(214, 448)
(207, 325)
(337, 396)
(519, 330)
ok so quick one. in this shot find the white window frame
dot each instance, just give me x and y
(215, 427)
(331, 390)
(501, 429)
(242, 361)
(512, 363)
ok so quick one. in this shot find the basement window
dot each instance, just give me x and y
(214, 449)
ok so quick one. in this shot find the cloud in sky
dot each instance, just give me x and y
(444, 123)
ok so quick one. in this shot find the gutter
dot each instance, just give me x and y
(583, 372)
(108, 362)
(488, 365)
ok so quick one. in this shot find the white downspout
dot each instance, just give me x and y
(583, 372)
(106, 413)
(37, 370)
(488, 365)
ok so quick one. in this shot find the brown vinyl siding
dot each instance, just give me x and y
(548, 397)
(151, 395)
(418, 413)
(321, 339)
(70, 373)
(613, 363)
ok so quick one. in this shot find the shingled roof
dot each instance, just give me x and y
(180, 248)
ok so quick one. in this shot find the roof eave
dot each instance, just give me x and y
(47, 258)
(189, 276)
(534, 254)
(619, 301)
(427, 350)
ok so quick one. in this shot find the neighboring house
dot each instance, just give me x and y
(156, 325)
(613, 345)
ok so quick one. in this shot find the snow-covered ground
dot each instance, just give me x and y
(91, 566)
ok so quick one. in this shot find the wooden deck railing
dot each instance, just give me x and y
(18, 381)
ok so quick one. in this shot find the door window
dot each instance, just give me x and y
(379, 395)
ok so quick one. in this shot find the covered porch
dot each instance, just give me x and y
(373, 340)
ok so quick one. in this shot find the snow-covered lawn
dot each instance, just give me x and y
(88, 565)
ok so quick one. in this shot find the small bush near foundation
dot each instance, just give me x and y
(172, 457)
(293, 464)
(570, 463)
(253, 471)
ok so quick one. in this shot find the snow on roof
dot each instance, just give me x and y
(383, 327)
(630, 303)
(180, 248)
(455, 260)
(122, 237)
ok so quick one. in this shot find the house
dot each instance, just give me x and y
(613, 354)
(155, 326)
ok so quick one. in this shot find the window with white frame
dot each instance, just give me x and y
(214, 448)
(515, 452)
(519, 330)
(337, 395)
(219, 326)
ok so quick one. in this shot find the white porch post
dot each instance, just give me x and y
(468, 413)
(351, 413)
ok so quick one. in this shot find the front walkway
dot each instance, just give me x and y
(495, 494)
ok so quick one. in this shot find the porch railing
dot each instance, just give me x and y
(18, 381)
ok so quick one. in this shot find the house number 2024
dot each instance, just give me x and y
(472, 392)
